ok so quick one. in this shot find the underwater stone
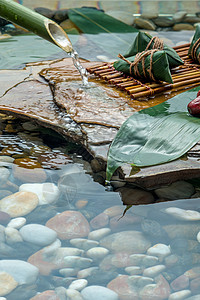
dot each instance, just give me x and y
(126, 241)
(69, 225)
(99, 221)
(17, 223)
(23, 272)
(4, 175)
(7, 283)
(123, 288)
(134, 270)
(160, 290)
(97, 253)
(38, 234)
(182, 214)
(19, 204)
(47, 192)
(68, 272)
(77, 262)
(154, 271)
(46, 295)
(12, 235)
(99, 233)
(180, 283)
(73, 295)
(180, 295)
(98, 293)
(159, 250)
(139, 281)
(84, 244)
(78, 284)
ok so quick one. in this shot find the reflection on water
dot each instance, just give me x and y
(63, 234)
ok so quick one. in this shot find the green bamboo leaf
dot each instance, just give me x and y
(155, 135)
(94, 21)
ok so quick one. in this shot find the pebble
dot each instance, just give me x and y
(69, 225)
(99, 221)
(99, 234)
(187, 230)
(38, 234)
(84, 244)
(118, 223)
(84, 273)
(145, 24)
(124, 16)
(46, 295)
(178, 16)
(193, 273)
(121, 286)
(139, 281)
(7, 283)
(198, 237)
(12, 235)
(68, 272)
(2, 233)
(182, 214)
(180, 295)
(180, 283)
(159, 250)
(32, 175)
(195, 285)
(160, 290)
(17, 223)
(183, 26)
(116, 260)
(48, 193)
(78, 284)
(126, 241)
(143, 260)
(4, 175)
(23, 272)
(114, 211)
(19, 204)
(98, 293)
(77, 262)
(154, 271)
(97, 253)
(73, 295)
(133, 270)
(177, 190)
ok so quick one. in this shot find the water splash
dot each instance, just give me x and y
(83, 72)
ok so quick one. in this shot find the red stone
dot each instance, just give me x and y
(160, 292)
(46, 295)
(180, 283)
(99, 221)
(69, 225)
(121, 286)
(45, 267)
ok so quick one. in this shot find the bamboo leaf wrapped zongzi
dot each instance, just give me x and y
(194, 50)
(145, 41)
(152, 65)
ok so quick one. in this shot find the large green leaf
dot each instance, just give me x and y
(155, 135)
(94, 21)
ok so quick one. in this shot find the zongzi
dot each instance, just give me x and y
(194, 50)
(152, 65)
(145, 41)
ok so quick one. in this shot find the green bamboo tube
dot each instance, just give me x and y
(36, 23)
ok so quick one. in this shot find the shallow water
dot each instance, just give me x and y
(87, 233)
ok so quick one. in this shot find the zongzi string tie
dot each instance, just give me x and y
(140, 57)
(158, 43)
(194, 51)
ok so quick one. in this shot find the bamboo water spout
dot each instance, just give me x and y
(36, 23)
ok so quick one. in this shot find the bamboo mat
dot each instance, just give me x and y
(184, 76)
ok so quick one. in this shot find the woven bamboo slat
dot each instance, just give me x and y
(184, 76)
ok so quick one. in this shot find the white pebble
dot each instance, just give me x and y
(97, 253)
(154, 271)
(47, 192)
(84, 244)
(78, 284)
(180, 295)
(139, 281)
(143, 259)
(99, 233)
(198, 237)
(68, 272)
(133, 270)
(86, 272)
(182, 214)
(17, 223)
(38, 234)
(160, 250)
(12, 235)
(73, 295)
(77, 262)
